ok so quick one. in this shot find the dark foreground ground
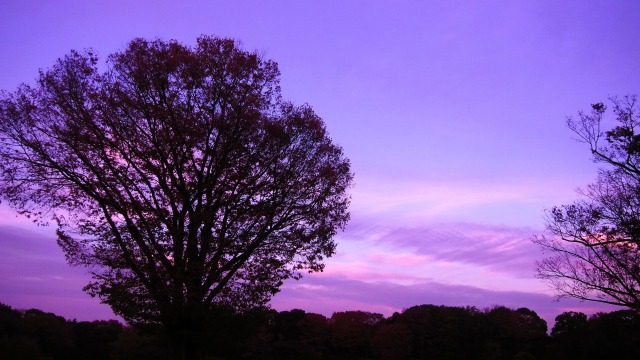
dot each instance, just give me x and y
(420, 332)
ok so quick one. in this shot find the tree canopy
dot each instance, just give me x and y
(593, 243)
(178, 175)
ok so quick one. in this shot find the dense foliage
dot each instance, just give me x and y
(420, 332)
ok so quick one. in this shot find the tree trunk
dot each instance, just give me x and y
(184, 332)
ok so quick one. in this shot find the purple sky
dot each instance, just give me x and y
(451, 112)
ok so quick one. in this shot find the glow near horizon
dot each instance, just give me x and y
(451, 113)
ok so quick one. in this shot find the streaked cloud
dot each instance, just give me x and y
(499, 248)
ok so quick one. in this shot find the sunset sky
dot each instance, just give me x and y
(452, 113)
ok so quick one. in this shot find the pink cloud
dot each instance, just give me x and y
(397, 260)
(498, 248)
(370, 276)
(415, 200)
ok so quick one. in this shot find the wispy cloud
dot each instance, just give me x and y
(497, 248)
(516, 200)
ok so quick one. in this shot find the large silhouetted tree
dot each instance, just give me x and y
(593, 243)
(178, 175)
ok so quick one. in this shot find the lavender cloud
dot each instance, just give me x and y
(499, 248)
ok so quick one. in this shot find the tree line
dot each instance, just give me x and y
(419, 332)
